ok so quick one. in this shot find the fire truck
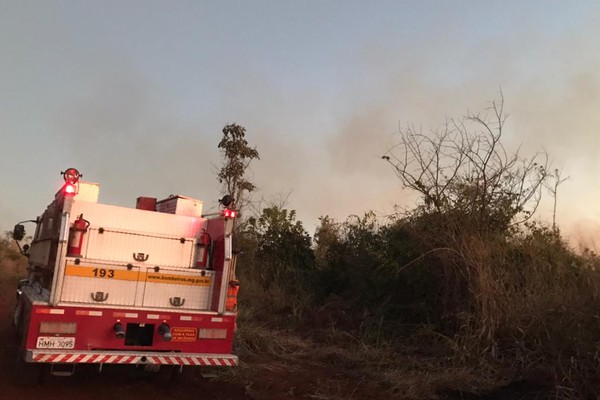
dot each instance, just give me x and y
(153, 285)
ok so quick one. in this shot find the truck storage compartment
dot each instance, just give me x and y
(128, 246)
(100, 283)
(185, 289)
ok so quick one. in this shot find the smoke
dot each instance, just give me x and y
(123, 133)
(328, 154)
(551, 95)
(320, 122)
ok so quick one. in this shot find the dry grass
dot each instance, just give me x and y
(253, 339)
(531, 311)
(391, 373)
(517, 318)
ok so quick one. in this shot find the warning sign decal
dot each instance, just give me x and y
(183, 334)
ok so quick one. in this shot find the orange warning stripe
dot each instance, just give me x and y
(136, 275)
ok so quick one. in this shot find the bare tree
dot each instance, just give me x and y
(464, 168)
(553, 189)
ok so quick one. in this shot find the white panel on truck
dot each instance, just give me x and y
(126, 246)
(100, 283)
(134, 220)
(88, 191)
(175, 288)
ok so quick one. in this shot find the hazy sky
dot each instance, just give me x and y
(135, 93)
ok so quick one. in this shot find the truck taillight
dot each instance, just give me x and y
(227, 213)
(58, 327)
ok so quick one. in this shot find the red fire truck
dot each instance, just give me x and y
(153, 285)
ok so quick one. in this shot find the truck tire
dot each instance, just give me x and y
(17, 319)
(26, 374)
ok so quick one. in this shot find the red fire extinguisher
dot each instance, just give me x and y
(203, 250)
(76, 235)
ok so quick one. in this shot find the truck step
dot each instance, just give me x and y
(62, 369)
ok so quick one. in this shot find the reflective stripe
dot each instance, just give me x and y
(89, 313)
(90, 358)
(158, 316)
(125, 315)
(58, 311)
(86, 358)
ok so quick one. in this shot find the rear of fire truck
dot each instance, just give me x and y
(153, 285)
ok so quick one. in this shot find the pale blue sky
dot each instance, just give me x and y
(135, 93)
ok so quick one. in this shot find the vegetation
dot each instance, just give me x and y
(237, 156)
(490, 301)
(12, 263)
(465, 295)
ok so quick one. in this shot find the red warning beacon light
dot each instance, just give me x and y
(227, 201)
(71, 177)
(228, 213)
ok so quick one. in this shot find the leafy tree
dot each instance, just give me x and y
(8, 248)
(360, 271)
(237, 155)
(327, 236)
(284, 250)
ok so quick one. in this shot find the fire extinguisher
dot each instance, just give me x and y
(203, 250)
(76, 235)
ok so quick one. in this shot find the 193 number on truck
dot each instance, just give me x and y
(103, 273)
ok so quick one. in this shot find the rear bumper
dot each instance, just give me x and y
(140, 358)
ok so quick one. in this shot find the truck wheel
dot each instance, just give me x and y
(18, 319)
(26, 374)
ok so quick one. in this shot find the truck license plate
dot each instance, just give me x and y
(53, 342)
